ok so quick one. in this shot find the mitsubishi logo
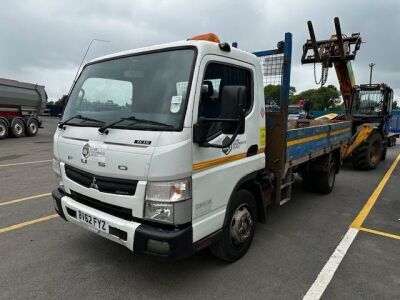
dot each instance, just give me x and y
(93, 185)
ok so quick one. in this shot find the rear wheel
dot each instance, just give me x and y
(32, 127)
(17, 127)
(3, 129)
(325, 180)
(239, 229)
(308, 180)
(368, 154)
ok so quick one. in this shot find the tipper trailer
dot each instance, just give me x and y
(169, 149)
(20, 105)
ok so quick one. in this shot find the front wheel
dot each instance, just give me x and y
(368, 155)
(239, 228)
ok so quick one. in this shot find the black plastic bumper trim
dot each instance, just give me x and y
(57, 195)
(180, 241)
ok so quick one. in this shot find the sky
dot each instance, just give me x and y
(43, 41)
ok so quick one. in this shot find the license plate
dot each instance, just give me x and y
(94, 222)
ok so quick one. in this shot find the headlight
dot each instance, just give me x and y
(169, 202)
(57, 171)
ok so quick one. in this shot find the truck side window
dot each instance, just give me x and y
(217, 76)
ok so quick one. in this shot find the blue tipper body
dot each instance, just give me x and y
(304, 141)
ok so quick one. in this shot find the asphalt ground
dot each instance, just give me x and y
(50, 258)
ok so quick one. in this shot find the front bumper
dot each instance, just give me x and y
(139, 238)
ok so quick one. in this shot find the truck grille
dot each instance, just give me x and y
(103, 184)
(114, 210)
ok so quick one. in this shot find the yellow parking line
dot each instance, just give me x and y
(390, 235)
(27, 223)
(24, 199)
(26, 163)
(358, 221)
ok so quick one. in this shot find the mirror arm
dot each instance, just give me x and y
(233, 138)
(239, 120)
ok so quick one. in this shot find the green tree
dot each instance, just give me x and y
(395, 105)
(321, 98)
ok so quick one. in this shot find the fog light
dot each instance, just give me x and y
(157, 247)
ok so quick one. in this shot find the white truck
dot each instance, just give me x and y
(169, 149)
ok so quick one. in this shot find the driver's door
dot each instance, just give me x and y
(216, 171)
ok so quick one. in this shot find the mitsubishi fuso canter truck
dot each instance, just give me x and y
(170, 149)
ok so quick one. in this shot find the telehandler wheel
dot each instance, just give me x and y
(17, 127)
(32, 127)
(368, 155)
(3, 129)
(324, 181)
(239, 229)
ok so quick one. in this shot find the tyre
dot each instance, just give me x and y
(32, 127)
(383, 155)
(239, 228)
(368, 155)
(3, 129)
(17, 127)
(325, 181)
(308, 178)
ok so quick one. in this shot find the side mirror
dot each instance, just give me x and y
(232, 117)
(233, 101)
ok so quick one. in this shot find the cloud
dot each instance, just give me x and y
(43, 41)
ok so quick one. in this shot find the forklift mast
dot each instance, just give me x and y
(338, 51)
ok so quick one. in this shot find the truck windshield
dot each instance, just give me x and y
(368, 103)
(152, 86)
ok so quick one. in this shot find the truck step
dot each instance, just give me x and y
(283, 201)
(285, 185)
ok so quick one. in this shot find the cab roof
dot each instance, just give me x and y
(203, 48)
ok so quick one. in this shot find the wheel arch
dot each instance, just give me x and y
(251, 184)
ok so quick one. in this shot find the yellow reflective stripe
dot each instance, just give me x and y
(316, 137)
(218, 161)
(307, 139)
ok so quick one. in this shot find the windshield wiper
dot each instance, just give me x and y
(102, 129)
(62, 124)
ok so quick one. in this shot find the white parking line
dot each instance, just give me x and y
(26, 163)
(327, 272)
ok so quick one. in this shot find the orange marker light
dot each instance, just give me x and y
(211, 37)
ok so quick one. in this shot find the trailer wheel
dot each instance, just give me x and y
(368, 155)
(32, 127)
(17, 127)
(238, 231)
(3, 129)
(325, 180)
